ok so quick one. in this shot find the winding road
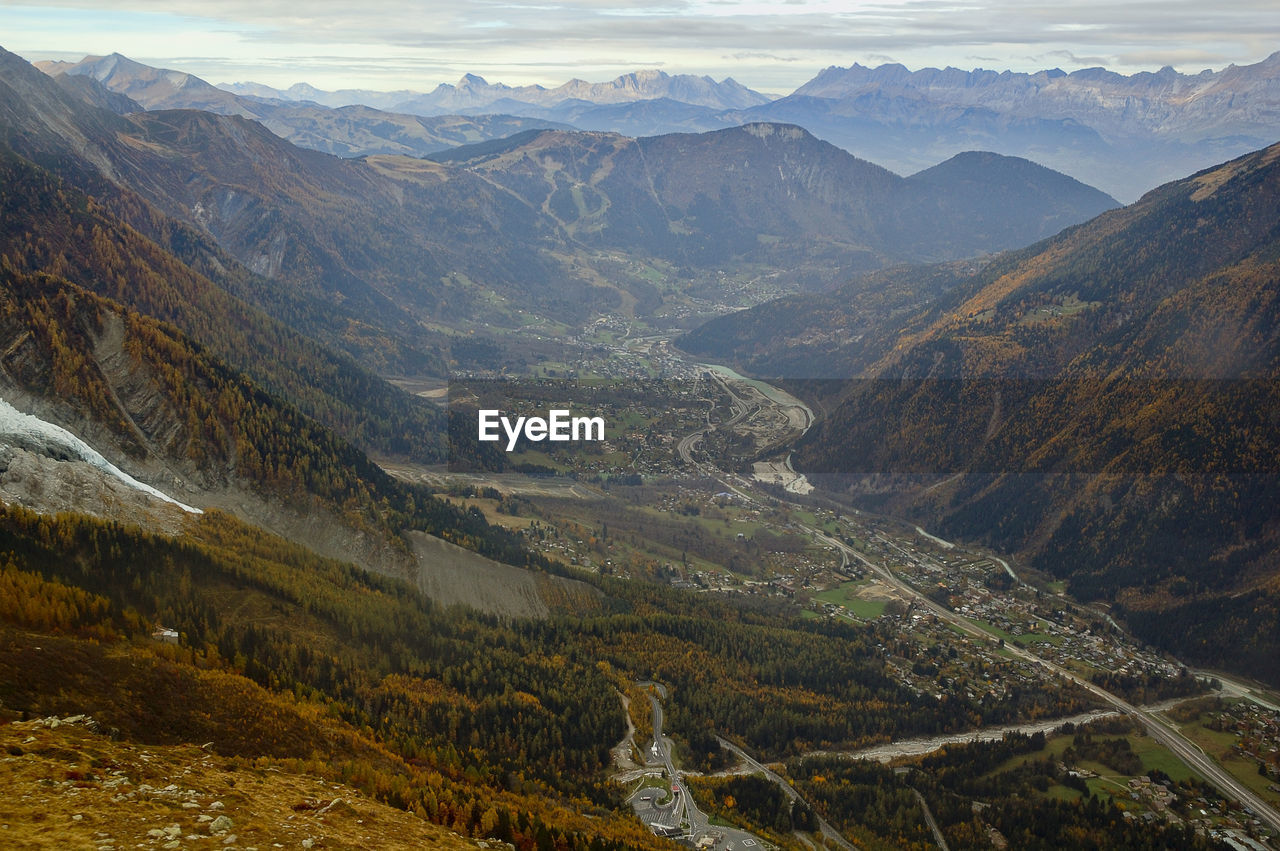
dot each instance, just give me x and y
(747, 401)
(683, 809)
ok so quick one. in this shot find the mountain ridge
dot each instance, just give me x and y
(1165, 98)
(818, 192)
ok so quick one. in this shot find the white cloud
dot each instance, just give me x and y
(403, 44)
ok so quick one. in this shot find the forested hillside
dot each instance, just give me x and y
(135, 384)
(65, 217)
(1109, 395)
(492, 729)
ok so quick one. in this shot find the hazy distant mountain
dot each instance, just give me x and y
(644, 103)
(473, 92)
(1234, 101)
(1124, 134)
(153, 88)
(308, 93)
(656, 117)
(344, 131)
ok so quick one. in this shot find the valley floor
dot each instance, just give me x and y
(1000, 631)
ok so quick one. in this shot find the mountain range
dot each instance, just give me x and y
(391, 240)
(473, 92)
(1124, 134)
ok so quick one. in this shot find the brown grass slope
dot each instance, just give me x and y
(294, 664)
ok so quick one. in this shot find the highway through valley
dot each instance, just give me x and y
(1183, 748)
(826, 829)
(1157, 728)
(752, 404)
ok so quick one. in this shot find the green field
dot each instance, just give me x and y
(657, 783)
(828, 525)
(1029, 638)
(1218, 744)
(1107, 787)
(991, 629)
(846, 597)
(1152, 754)
(1156, 756)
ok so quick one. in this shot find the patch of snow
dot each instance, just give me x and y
(35, 435)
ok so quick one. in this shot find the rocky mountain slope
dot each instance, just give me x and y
(137, 803)
(150, 342)
(80, 221)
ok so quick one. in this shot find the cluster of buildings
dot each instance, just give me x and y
(1163, 801)
(984, 590)
(1257, 730)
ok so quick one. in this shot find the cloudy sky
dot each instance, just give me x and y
(769, 46)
